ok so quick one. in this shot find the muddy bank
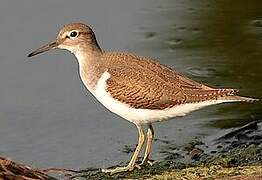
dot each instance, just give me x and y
(237, 154)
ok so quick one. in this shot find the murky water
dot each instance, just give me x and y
(48, 118)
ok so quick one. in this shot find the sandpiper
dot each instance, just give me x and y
(136, 88)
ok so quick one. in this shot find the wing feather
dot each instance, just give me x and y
(146, 84)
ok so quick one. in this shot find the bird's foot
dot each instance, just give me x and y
(121, 169)
(147, 161)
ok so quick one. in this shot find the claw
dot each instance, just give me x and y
(150, 162)
(138, 166)
(121, 169)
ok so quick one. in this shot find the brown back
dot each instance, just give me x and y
(144, 83)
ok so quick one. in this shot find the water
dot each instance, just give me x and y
(48, 118)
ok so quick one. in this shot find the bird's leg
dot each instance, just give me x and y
(131, 165)
(150, 138)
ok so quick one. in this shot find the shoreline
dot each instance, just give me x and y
(237, 155)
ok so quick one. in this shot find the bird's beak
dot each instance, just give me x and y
(47, 47)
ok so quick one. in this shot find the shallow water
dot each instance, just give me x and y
(48, 118)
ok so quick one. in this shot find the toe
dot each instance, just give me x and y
(138, 166)
(150, 162)
(119, 169)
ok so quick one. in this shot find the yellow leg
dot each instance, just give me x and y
(150, 138)
(131, 165)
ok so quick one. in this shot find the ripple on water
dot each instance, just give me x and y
(191, 10)
(257, 23)
(174, 43)
(201, 71)
(181, 28)
(195, 29)
(150, 35)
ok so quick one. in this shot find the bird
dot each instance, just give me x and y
(136, 88)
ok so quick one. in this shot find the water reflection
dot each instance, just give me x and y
(218, 43)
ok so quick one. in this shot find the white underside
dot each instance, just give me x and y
(144, 116)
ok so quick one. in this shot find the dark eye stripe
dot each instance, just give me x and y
(84, 33)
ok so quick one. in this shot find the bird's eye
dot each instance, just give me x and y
(73, 34)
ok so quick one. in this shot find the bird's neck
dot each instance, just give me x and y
(90, 66)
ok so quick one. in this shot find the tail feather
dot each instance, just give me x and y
(239, 98)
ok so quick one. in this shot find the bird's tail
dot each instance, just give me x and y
(239, 98)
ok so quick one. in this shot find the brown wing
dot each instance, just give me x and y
(146, 84)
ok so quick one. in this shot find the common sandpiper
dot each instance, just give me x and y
(138, 89)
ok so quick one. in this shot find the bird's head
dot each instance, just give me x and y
(73, 37)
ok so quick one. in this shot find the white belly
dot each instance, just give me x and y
(143, 116)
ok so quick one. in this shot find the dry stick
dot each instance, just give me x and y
(10, 169)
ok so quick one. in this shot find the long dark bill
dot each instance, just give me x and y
(47, 47)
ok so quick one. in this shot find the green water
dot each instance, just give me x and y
(217, 43)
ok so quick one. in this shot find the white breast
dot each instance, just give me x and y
(143, 116)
